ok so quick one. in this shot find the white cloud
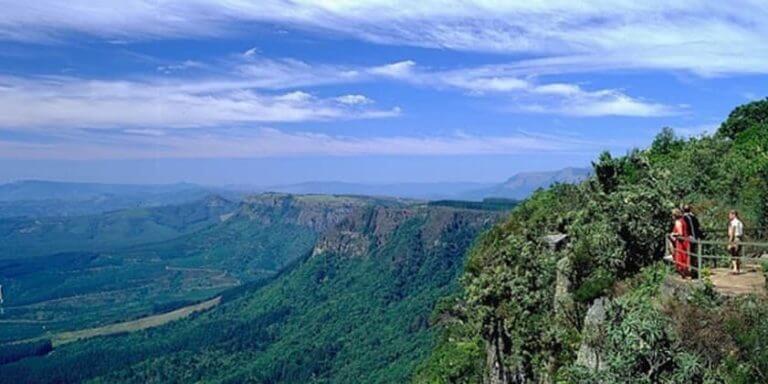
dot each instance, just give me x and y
(251, 52)
(705, 37)
(615, 104)
(560, 89)
(354, 100)
(260, 90)
(239, 98)
(398, 70)
(528, 94)
(187, 64)
(65, 102)
(265, 73)
(571, 100)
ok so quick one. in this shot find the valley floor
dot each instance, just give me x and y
(133, 325)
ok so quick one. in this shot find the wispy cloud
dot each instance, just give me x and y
(354, 100)
(574, 101)
(253, 89)
(709, 38)
(527, 93)
(281, 73)
(187, 64)
(66, 102)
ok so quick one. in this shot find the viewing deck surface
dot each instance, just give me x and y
(750, 280)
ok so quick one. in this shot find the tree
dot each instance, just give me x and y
(744, 117)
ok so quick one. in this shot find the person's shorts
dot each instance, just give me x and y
(734, 247)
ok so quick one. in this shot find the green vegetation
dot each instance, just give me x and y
(343, 289)
(217, 245)
(524, 303)
(491, 204)
(336, 316)
(16, 352)
(22, 238)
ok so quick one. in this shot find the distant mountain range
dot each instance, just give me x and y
(43, 190)
(424, 191)
(523, 184)
(50, 198)
(516, 187)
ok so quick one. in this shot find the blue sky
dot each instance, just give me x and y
(271, 92)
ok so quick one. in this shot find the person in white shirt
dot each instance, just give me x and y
(735, 234)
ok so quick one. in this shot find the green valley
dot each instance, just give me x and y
(355, 308)
(214, 245)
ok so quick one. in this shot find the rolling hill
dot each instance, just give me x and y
(38, 198)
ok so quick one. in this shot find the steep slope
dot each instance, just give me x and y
(354, 310)
(598, 308)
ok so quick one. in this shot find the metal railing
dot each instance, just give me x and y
(716, 251)
(755, 233)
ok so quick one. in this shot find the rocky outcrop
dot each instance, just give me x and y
(564, 304)
(588, 355)
(363, 229)
(319, 213)
(497, 347)
(367, 229)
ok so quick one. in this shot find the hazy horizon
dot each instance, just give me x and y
(255, 184)
(268, 172)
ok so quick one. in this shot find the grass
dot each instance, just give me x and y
(134, 325)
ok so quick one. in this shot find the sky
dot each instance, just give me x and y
(276, 91)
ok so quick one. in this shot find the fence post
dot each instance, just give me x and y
(698, 257)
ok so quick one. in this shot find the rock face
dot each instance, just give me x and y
(588, 356)
(556, 241)
(371, 227)
(495, 351)
(316, 212)
(563, 298)
(363, 229)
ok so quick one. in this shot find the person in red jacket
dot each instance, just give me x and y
(680, 237)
